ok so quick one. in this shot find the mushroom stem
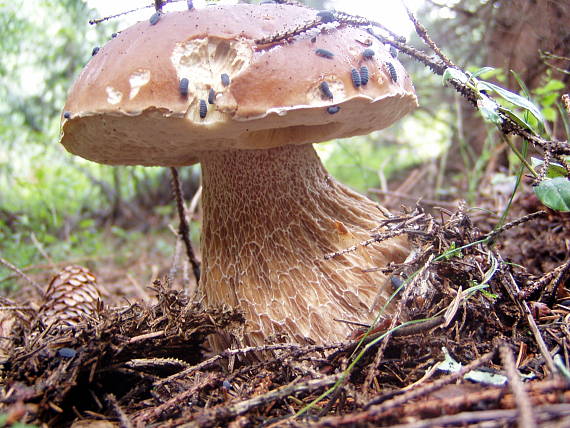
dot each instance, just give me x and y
(269, 218)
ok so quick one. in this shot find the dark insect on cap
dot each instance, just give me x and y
(211, 96)
(190, 4)
(155, 18)
(203, 109)
(368, 53)
(95, 50)
(355, 75)
(333, 109)
(326, 90)
(225, 79)
(393, 52)
(66, 115)
(392, 70)
(183, 87)
(364, 75)
(326, 16)
(324, 53)
(113, 35)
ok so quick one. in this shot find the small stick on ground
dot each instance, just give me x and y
(184, 229)
(175, 402)
(492, 235)
(124, 420)
(13, 268)
(395, 317)
(526, 417)
(546, 413)
(214, 417)
(232, 352)
(553, 277)
(375, 412)
(513, 291)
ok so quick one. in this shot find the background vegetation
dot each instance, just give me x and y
(57, 209)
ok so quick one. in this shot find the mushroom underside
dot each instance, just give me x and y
(270, 216)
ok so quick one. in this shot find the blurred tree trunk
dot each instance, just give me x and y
(518, 31)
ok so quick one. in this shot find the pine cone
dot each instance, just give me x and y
(71, 296)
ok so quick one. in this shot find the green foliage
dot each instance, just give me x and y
(553, 190)
(554, 193)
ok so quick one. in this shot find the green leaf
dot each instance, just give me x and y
(513, 99)
(552, 86)
(554, 169)
(454, 73)
(489, 110)
(554, 193)
(482, 71)
(517, 118)
(549, 114)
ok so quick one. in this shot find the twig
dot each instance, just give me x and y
(525, 415)
(395, 318)
(213, 417)
(492, 235)
(400, 195)
(376, 238)
(422, 32)
(123, 418)
(544, 414)
(148, 6)
(376, 411)
(146, 336)
(184, 229)
(232, 352)
(556, 275)
(175, 402)
(43, 252)
(513, 291)
(13, 268)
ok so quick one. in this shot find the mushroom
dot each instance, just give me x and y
(270, 209)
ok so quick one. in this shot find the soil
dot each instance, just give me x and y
(494, 302)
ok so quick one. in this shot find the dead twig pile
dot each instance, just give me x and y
(461, 304)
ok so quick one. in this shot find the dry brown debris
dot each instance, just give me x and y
(149, 366)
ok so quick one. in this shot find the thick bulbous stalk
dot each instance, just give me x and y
(270, 216)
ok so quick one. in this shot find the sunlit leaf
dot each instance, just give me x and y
(454, 73)
(513, 99)
(554, 169)
(489, 110)
(482, 71)
(554, 193)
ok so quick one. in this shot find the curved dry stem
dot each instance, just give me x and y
(269, 218)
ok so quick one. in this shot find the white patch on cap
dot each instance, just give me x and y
(113, 96)
(137, 80)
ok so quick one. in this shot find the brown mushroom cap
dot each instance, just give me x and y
(270, 209)
(126, 107)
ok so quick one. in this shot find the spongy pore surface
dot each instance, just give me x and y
(270, 216)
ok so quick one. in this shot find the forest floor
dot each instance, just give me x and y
(480, 336)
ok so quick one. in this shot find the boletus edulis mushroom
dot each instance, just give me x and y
(211, 86)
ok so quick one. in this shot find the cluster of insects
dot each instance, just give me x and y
(359, 76)
(202, 106)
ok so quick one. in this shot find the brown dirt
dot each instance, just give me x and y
(149, 364)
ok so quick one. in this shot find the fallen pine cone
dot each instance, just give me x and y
(71, 296)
